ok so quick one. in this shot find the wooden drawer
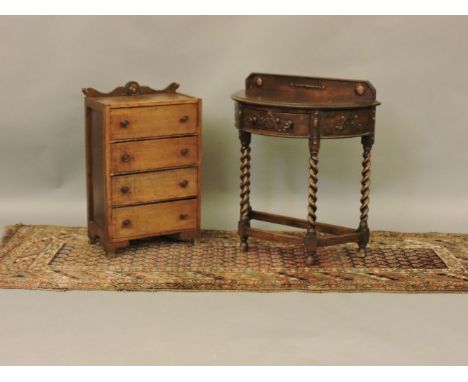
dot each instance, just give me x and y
(148, 219)
(346, 123)
(153, 154)
(271, 122)
(154, 121)
(154, 186)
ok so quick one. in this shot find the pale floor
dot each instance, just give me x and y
(224, 328)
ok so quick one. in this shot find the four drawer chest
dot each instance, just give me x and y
(143, 156)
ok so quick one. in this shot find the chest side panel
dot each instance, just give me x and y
(95, 133)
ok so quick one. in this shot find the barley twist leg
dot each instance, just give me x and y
(312, 200)
(365, 191)
(310, 240)
(245, 189)
(311, 235)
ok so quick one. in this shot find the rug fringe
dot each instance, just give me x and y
(9, 232)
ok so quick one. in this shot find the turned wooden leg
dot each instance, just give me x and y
(310, 240)
(367, 142)
(245, 189)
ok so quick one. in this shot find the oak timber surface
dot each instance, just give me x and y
(145, 100)
(153, 121)
(144, 220)
(299, 104)
(153, 154)
(154, 186)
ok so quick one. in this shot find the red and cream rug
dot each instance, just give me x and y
(60, 258)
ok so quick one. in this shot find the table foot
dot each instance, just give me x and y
(311, 260)
(362, 252)
(244, 245)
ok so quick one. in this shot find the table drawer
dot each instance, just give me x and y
(275, 123)
(346, 123)
(154, 186)
(153, 154)
(145, 220)
(153, 121)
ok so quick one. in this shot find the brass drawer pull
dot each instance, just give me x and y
(124, 123)
(126, 223)
(124, 190)
(184, 119)
(126, 158)
(183, 216)
(184, 151)
(183, 183)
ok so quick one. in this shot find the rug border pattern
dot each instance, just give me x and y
(38, 276)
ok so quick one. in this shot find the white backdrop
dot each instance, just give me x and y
(417, 64)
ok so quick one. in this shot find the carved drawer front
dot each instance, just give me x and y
(143, 220)
(274, 123)
(153, 154)
(153, 121)
(346, 123)
(154, 186)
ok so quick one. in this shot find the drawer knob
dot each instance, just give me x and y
(184, 151)
(124, 123)
(125, 158)
(183, 216)
(124, 189)
(126, 223)
(183, 183)
(184, 119)
(253, 120)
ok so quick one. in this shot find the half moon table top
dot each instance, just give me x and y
(297, 106)
(298, 103)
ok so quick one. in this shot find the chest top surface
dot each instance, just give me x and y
(306, 92)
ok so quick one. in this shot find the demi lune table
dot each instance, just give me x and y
(312, 108)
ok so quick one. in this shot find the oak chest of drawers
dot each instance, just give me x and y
(143, 155)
